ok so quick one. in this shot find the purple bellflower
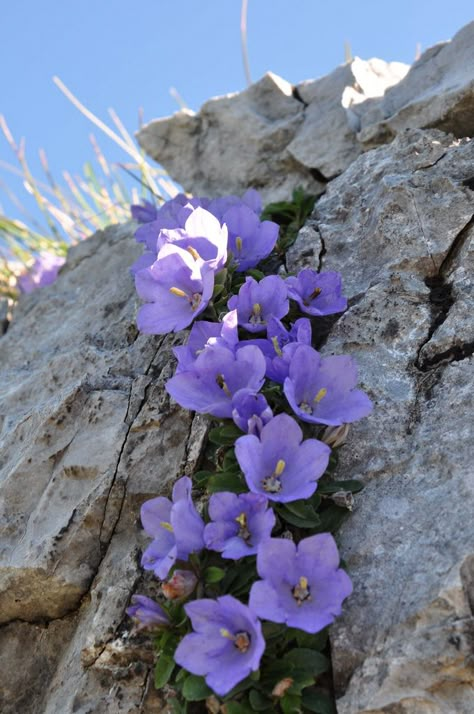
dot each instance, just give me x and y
(176, 288)
(279, 464)
(251, 199)
(321, 389)
(145, 212)
(281, 345)
(302, 585)
(216, 375)
(317, 293)
(172, 214)
(257, 303)
(44, 272)
(250, 411)
(205, 334)
(175, 526)
(144, 261)
(202, 235)
(147, 613)
(250, 239)
(240, 524)
(226, 645)
(300, 331)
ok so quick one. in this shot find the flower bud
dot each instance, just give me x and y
(344, 499)
(212, 705)
(147, 613)
(335, 436)
(180, 585)
(281, 687)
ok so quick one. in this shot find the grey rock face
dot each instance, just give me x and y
(437, 92)
(269, 136)
(87, 434)
(332, 103)
(264, 137)
(398, 225)
(234, 142)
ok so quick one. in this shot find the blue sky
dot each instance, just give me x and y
(127, 55)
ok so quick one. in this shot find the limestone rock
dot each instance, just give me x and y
(234, 142)
(264, 137)
(438, 91)
(4, 311)
(87, 434)
(397, 224)
(269, 136)
(330, 113)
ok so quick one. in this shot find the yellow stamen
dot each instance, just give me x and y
(322, 393)
(194, 253)
(225, 633)
(302, 592)
(178, 292)
(276, 346)
(303, 583)
(238, 243)
(242, 520)
(221, 383)
(257, 310)
(280, 467)
(167, 526)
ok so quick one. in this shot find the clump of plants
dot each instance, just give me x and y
(244, 550)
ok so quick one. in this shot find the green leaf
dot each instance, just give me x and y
(314, 642)
(229, 459)
(167, 643)
(352, 485)
(218, 289)
(318, 702)
(221, 437)
(163, 670)
(200, 477)
(239, 578)
(182, 674)
(307, 660)
(275, 671)
(236, 708)
(300, 681)
(258, 701)
(331, 518)
(220, 277)
(231, 431)
(225, 482)
(176, 706)
(301, 508)
(213, 574)
(332, 465)
(304, 517)
(291, 704)
(256, 274)
(272, 630)
(195, 689)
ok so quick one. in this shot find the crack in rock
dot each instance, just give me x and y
(442, 298)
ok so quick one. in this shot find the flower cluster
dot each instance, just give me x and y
(256, 369)
(43, 272)
(188, 244)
